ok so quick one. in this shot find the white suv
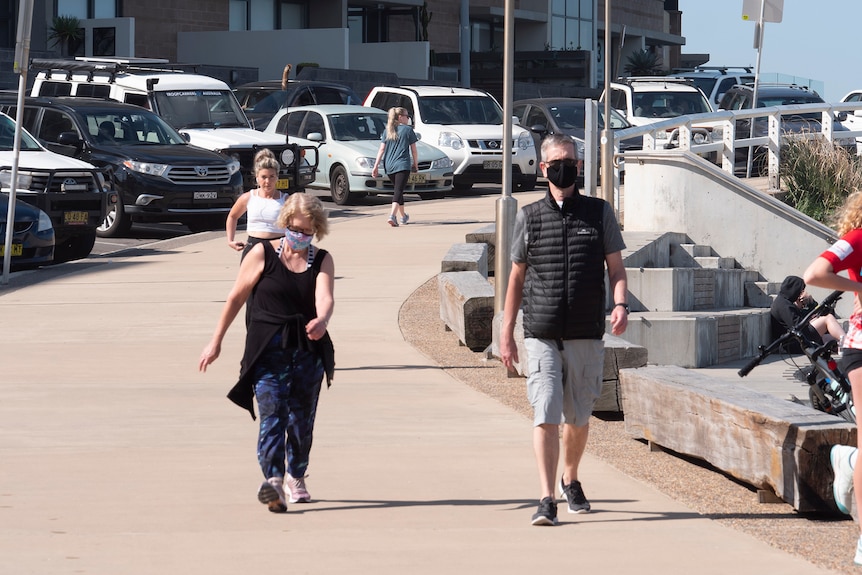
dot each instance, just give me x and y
(714, 81)
(201, 108)
(467, 125)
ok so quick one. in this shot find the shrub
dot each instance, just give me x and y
(817, 176)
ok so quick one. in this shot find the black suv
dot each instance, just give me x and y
(156, 173)
(261, 100)
(741, 96)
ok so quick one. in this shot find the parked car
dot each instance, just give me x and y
(714, 81)
(261, 100)
(349, 138)
(854, 121)
(32, 234)
(203, 109)
(544, 116)
(649, 99)
(467, 125)
(156, 173)
(73, 193)
(740, 97)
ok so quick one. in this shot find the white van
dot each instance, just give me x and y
(203, 109)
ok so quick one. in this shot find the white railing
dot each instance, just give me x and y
(714, 135)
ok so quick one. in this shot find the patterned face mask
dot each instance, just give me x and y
(298, 241)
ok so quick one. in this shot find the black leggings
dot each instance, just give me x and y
(399, 182)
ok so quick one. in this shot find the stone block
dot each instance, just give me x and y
(487, 235)
(466, 257)
(467, 307)
(764, 441)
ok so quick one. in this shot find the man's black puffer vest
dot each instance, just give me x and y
(564, 289)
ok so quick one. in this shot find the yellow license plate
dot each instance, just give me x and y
(75, 218)
(17, 250)
(416, 178)
(282, 184)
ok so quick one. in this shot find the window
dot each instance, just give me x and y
(572, 25)
(268, 14)
(84, 9)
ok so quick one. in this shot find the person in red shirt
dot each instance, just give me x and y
(845, 255)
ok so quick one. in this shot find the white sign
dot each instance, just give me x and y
(773, 10)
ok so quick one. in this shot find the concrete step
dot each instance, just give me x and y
(715, 262)
(697, 250)
(686, 289)
(698, 339)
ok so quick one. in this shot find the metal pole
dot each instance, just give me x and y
(465, 43)
(22, 58)
(758, 40)
(507, 206)
(607, 137)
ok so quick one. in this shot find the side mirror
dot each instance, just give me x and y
(539, 129)
(70, 139)
(315, 137)
(841, 117)
(516, 121)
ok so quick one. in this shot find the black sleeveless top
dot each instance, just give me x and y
(281, 301)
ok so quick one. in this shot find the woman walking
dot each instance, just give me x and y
(398, 154)
(287, 347)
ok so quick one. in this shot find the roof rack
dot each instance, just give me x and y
(656, 79)
(109, 66)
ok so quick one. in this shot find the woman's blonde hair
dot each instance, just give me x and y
(265, 160)
(392, 122)
(307, 205)
(849, 216)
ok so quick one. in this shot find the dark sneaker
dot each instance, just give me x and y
(271, 494)
(547, 512)
(574, 495)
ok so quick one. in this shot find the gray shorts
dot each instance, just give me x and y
(563, 385)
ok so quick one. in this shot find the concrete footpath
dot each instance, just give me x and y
(118, 458)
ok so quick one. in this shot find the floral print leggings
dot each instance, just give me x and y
(287, 388)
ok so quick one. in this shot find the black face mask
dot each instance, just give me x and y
(562, 173)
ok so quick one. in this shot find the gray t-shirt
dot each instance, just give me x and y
(613, 238)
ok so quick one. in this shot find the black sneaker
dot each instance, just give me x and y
(574, 495)
(547, 512)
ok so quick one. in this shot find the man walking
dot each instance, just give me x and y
(560, 247)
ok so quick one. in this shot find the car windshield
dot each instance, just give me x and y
(351, 127)
(460, 110)
(705, 84)
(200, 109)
(7, 137)
(570, 116)
(766, 102)
(110, 127)
(669, 104)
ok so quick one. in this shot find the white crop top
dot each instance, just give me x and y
(261, 213)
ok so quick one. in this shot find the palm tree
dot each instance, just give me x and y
(643, 63)
(66, 32)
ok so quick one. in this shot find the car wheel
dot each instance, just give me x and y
(339, 186)
(76, 247)
(116, 222)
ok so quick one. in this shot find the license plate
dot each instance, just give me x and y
(76, 218)
(17, 250)
(282, 184)
(206, 195)
(416, 179)
(493, 164)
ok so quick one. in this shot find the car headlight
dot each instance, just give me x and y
(25, 181)
(450, 140)
(525, 141)
(44, 222)
(442, 163)
(233, 166)
(701, 138)
(147, 168)
(365, 163)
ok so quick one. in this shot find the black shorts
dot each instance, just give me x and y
(851, 359)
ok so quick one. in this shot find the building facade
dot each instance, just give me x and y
(415, 39)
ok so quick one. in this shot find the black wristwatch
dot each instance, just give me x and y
(625, 306)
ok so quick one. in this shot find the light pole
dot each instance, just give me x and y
(607, 135)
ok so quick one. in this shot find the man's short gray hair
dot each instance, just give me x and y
(557, 141)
